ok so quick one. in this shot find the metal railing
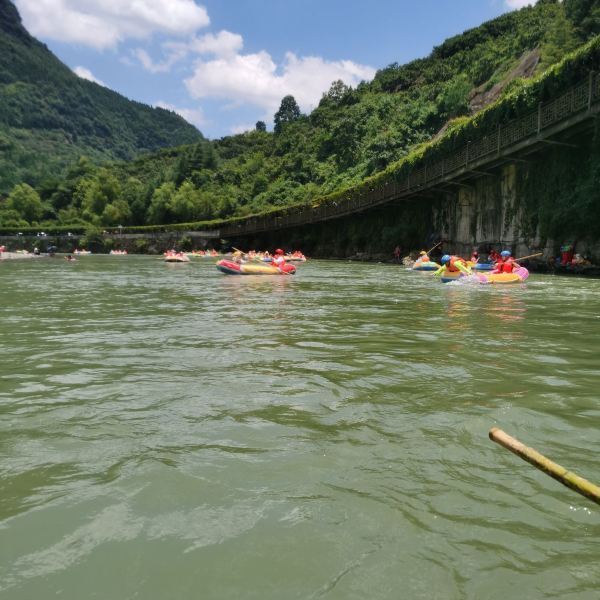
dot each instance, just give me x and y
(576, 100)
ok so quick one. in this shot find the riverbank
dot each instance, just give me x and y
(16, 255)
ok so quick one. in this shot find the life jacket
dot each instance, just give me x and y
(505, 266)
(451, 266)
(279, 261)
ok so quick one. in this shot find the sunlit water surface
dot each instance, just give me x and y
(167, 431)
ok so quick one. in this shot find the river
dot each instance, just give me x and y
(168, 431)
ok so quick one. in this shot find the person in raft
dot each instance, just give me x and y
(278, 258)
(475, 257)
(493, 256)
(453, 264)
(506, 264)
(423, 257)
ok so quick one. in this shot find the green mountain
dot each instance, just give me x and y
(353, 133)
(49, 116)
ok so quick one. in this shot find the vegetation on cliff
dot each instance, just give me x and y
(354, 138)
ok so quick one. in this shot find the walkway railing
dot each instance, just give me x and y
(580, 100)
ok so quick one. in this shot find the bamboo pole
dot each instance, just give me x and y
(431, 249)
(571, 480)
(529, 256)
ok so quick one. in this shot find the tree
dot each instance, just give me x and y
(158, 209)
(288, 112)
(261, 126)
(338, 93)
(184, 203)
(454, 99)
(116, 213)
(585, 16)
(134, 194)
(559, 39)
(104, 189)
(26, 202)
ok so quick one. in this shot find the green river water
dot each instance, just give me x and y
(169, 432)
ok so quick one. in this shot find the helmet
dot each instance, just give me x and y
(505, 253)
(279, 251)
(445, 259)
(422, 253)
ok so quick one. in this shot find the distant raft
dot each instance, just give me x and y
(483, 267)
(232, 268)
(176, 257)
(425, 266)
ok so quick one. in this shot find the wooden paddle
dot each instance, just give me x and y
(529, 256)
(260, 260)
(575, 482)
(434, 247)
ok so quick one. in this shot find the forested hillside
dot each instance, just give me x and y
(49, 116)
(352, 134)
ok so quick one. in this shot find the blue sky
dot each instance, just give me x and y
(224, 64)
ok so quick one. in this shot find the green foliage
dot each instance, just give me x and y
(92, 238)
(25, 201)
(356, 139)
(141, 246)
(560, 38)
(261, 126)
(585, 16)
(158, 210)
(49, 116)
(288, 112)
(560, 196)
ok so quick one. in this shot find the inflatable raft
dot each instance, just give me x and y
(448, 276)
(176, 257)
(232, 268)
(483, 267)
(425, 266)
(517, 276)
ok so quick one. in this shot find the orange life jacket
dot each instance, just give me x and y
(451, 264)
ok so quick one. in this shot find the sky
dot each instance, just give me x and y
(226, 64)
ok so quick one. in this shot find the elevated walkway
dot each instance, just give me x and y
(552, 123)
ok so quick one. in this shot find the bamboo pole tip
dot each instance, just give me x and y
(494, 431)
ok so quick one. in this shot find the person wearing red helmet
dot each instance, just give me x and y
(278, 259)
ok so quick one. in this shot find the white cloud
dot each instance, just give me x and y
(191, 115)
(255, 79)
(242, 128)
(519, 3)
(104, 23)
(222, 44)
(157, 67)
(87, 74)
